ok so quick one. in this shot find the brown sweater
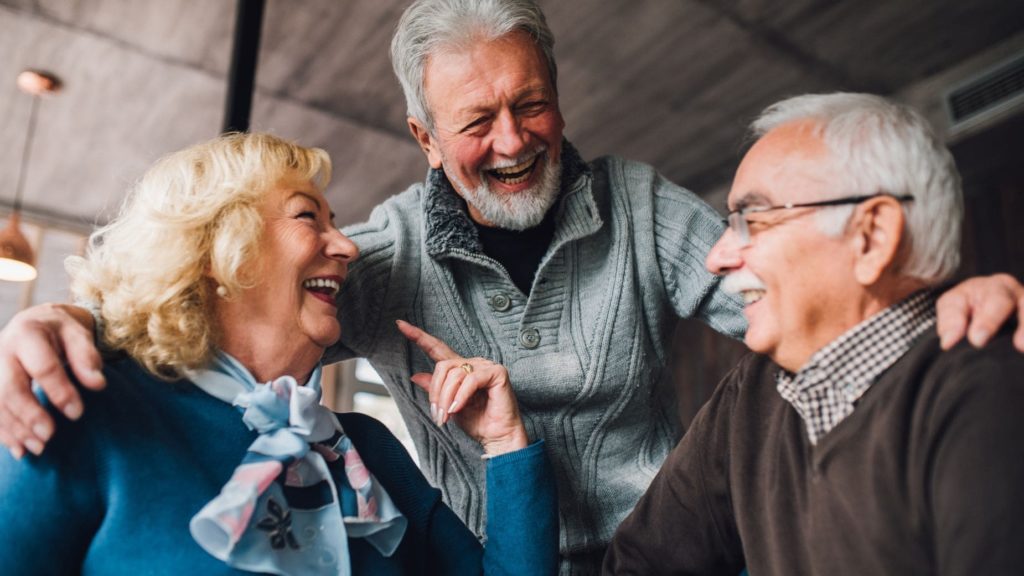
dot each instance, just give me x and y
(925, 477)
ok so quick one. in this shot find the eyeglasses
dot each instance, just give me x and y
(737, 220)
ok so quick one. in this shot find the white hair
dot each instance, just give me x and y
(428, 25)
(879, 146)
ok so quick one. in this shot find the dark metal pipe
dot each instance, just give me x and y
(242, 74)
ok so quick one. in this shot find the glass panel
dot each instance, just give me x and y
(52, 283)
(366, 373)
(10, 299)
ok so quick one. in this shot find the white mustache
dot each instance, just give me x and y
(522, 158)
(737, 282)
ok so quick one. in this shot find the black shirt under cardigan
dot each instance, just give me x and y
(519, 251)
(926, 476)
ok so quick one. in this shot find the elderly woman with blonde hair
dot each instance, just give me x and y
(212, 454)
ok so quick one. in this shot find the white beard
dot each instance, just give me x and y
(517, 211)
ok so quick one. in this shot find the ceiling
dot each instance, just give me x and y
(669, 82)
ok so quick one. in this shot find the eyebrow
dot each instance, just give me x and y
(527, 93)
(314, 200)
(749, 199)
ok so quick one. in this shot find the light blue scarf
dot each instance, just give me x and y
(250, 525)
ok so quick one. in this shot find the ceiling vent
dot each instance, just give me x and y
(984, 96)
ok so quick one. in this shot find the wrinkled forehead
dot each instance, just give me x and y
(290, 186)
(481, 57)
(791, 163)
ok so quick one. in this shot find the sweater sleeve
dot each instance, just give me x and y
(49, 505)
(684, 523)
(977, 473)
(685, 229)
(522, 522)
(522, 514)
(522, 538)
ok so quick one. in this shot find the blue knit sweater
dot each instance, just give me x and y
(114, 492)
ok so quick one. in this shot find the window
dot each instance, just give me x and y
(354, 386)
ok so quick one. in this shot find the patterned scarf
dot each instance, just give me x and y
(280, 512)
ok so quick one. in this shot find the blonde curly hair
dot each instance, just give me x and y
(192, 222)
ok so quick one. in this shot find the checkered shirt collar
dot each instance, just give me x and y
(825, 391)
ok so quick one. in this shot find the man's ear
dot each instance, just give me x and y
(877, 230)
(426, 142)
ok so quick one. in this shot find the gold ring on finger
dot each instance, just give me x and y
(467, 367)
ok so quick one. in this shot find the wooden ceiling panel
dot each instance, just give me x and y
(118, 111)
(334, 59)
(669, 82)
(195, 33)
(369, 165)
(680, 95)
(880, 45)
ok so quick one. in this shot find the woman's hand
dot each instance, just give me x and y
(475, 392)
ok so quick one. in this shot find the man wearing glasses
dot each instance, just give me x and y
(850, 443)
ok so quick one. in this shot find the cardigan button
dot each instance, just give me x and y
(501, 302)
(529, 338)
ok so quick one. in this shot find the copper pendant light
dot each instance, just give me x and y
(17, 260)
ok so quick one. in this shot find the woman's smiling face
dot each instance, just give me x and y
(301, 261)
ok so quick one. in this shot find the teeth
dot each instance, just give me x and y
(514, 174)
(514, 169)
(751, 296)
(333, 285)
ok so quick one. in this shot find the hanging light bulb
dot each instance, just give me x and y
(17, 260)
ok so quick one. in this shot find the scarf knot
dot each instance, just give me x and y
(287, 416)
(251, 524)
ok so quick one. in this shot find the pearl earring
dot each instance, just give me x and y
(222, 291)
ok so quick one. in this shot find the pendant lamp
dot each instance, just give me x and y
(17, 261)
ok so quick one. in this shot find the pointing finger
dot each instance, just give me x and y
(433, 347)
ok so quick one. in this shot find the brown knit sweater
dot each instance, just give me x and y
(925, 477)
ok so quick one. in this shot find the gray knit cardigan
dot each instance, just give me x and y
(586, 349)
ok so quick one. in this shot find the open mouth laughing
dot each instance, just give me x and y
(324, 288)
(751, 296)
(517, 174)
(746, 284)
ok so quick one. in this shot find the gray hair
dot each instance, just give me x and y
(879, 146)
(427, 25)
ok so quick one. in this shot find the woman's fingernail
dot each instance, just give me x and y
(34, 446)
(42, 430)
(451, 409)
(433, 412)
(73, 411)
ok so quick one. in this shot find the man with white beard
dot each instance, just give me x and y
(851, 443)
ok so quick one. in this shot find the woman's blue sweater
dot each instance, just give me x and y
(114, 492)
